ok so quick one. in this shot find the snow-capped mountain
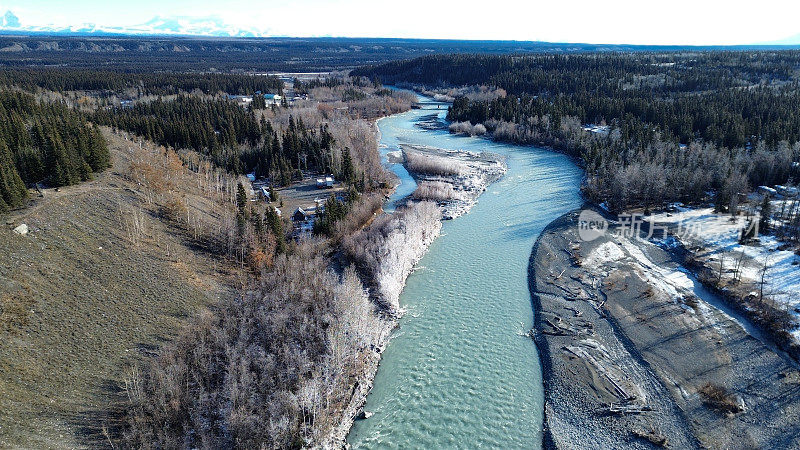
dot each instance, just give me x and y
(170, 25)
(194, 26)
(9, 20)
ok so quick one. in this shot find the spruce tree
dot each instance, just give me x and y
(275, 225)
(12, 189)
(766, 214)
(348, 172)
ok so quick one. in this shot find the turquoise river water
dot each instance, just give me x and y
(459, 371)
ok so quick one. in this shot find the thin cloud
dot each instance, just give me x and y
(685, 22)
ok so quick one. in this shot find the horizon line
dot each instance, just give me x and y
(110, 34)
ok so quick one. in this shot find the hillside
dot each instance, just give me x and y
(99, 282)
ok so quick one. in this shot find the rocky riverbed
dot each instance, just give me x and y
(635, 355)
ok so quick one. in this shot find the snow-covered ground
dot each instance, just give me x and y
(672, 282)
(719, 235)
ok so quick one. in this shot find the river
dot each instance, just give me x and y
(459, 371)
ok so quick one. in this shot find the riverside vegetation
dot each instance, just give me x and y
(303, 333)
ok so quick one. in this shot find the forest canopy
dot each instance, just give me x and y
(113, 82)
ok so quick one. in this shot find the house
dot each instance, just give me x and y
(597, 129)
(241, 100)
(303, 222)
(301, 215)
(325, 183)
(768, 191)
(272, 98)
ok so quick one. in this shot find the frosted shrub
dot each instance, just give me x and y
(389, 248)
(431, 165)
(436, 191)
(467, 128)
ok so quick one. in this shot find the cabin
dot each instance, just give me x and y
(325, 183)
(303, 222)
(300, 215)
(304, 214)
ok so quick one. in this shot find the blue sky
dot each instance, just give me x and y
(614, 21)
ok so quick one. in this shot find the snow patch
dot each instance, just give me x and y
(604, 253)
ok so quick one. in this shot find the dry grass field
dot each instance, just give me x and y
(99, 282)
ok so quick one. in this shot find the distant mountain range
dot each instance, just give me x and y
(214, 26)
(793, 40)
(210, 26)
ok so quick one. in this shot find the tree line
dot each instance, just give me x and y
(44, 143)
(145, 83)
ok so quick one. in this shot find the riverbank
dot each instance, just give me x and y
(634, 353)
(389, 249)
